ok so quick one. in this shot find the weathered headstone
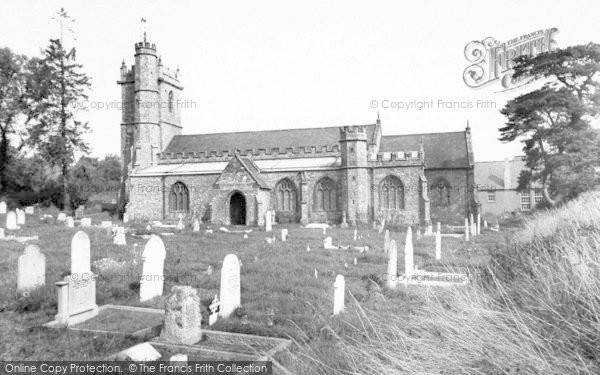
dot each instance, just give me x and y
(392, 269)
(153, 258)
(1, 233)
(230, 286)
(79, 212)
(119, 238)
(125, 217)
(180, 225)
(438, 245)
(344, 224)
(29, 210)
(339, 293)
(11, 220)
(268, 221)
(419, 234)
(214, 310)
(69, 222)
(3, 207)
(355, 234)
(86, 222)
(61, 216)
(485, 224)
(106, 224)
(80, 255)
(386, 241)
(328, 243)
(20, 217)
(472, 224)
(382, 226)
(31, 269)
(274, 221)
(284, 234)
(466, 229)
(182, 317)
(143, 352)
(408, 254)
(478, 224)
(196, 225)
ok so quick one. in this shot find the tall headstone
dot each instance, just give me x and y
(355, 234)
(196, 225)
(182, 324)
(69, 222)
(11, 220)
(386, 241)
(439, 227)
(466, 229)
(153, 260)
(80, 255)
(20, 217)
(3, 207)
(392, 269)
(119, 238)
(284, 234)
(408, 254)
(339, 293)
(478, 224)
(230, 286)
(31, 269)
(268, 221)
(472, 224)
(344, 224)
(438, 245)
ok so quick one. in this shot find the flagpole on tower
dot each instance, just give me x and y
(143, 24)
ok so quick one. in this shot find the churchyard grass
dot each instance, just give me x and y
(278, 276)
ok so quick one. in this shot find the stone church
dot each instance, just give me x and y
(304, 175)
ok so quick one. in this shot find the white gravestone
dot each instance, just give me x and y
(119, 238)
(392, 269)
(3, 207)
(80, 254)
(478, 224)
(438, 245)
(31, 269)
(485, 224)
(29, 210)
(408, 254)
(20, 217)
(1, 232)
(106, 224)
(61, 217)
(11, 220)
(355, 234)
(268, 222)
(196, 226)
(339, 292)
(69, 222)
(466, 229)
(328, 244)
(284, 234)
(472, 223)
(230, 286)
(153, 258)
(386, 241)
(180, 225)
(86, 222)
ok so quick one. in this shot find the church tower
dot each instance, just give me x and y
(355, 182)
(151, 110)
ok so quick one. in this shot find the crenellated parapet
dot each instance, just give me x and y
(408, 157)
(353, 133)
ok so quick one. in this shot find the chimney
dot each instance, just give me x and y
(507, 174)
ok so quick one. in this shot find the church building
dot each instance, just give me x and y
(304, 175)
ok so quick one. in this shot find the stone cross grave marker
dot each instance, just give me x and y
(268, 222)
(408, 254)
(153, 261)
(20, 217)
(31, 269)
(230, 286)
(183, 318)
(11, 220)
(438, 245)
(392, 269)
(3, 207)
(339, 292)
(69, 222)
(214, 310)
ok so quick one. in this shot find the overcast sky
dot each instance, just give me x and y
(258, 65)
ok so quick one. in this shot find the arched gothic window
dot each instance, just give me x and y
(179, 198)
(285, 192)
(170, 101)
(440, 192)
(391, 194)
(325, 195)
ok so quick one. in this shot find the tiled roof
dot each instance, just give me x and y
(490, 174)
(267, 139)
(253, 171)
(442, 150)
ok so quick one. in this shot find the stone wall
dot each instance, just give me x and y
(461, 193)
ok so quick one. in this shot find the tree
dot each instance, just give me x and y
(553, 122)
(12, 89)
(57, 85)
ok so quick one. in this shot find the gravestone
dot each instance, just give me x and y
(79, 212)
(106, 224)
(31, 269)
(478, 224)
(125, 217)
(472, 225)
(214, 310)
(230, 286)
(328, 243)
(61, 217)
(196, 226)
(3, 207)
(419, 233)
(408, 254)
(284, 234)
(392, 269)
(324, 231)
(316, 274)
(119, 238)
(485, 224)
(182, 317)
(274, 221)
(1, 233)
(382, 226)
(69, 222)
(439, 227)
(153, 259)
(438, 245)
(11, 220)
(307, 248)
(386, 241)
(339, 291)
(29, 210)
(20, 217)
(86, 222)
(344, 224)
(268, 222)
(180, 226)
(374, 224)
(143, 352)
(77, 292)
(355, 234)
(466, 229)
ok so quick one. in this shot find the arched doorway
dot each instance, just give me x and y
(237, 209)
